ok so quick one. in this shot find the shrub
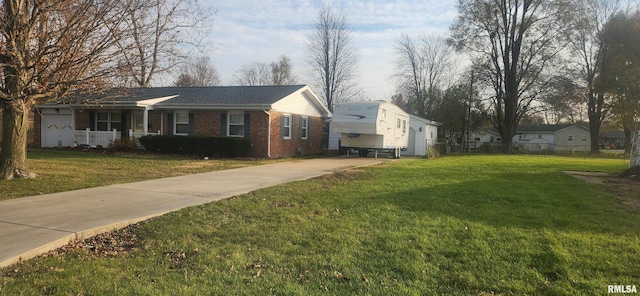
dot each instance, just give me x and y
(433, 151)
(127, 144)
(198, 145)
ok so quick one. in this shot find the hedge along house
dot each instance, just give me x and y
(280, 121)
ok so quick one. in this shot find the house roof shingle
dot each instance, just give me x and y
(215, 95)
(544, 128)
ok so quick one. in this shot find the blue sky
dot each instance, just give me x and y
(247, 31)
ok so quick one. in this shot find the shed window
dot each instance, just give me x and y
(404, 126)
(570, 138)
(236, 124)
(181, 124)
(584, 138)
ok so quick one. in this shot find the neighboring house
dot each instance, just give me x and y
(485, 136)
(423, 133)
(280, 121)
(556, 137)
(613, 139)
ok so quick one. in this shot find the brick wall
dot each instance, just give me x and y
(208, 123)
(281, 147)
(82, 119)
(36, 129)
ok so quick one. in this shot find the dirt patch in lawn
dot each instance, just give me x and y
(625, 185)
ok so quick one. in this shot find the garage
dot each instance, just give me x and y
(57, 127)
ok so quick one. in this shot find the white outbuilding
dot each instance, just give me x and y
(423, 133)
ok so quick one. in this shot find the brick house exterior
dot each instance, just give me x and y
(280, 121)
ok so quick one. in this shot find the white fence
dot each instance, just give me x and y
(95, 138)
(138, 135)
(102, 138)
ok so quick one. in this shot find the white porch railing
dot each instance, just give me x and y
(95, 138)
(102, 138)
(138, 135)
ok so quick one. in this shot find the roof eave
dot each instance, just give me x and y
(212, 107)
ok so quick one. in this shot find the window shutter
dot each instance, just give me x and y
(293, 126)
(192, 124)
(92, 120)
(170, 123)
(223, 124)
(124, 130)
(308, 127)
(247, 126)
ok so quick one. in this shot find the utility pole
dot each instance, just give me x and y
(469, 114)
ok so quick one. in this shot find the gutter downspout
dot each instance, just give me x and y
(268, 131)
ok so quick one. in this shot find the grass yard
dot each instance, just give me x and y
(462, 225)
(69, 170)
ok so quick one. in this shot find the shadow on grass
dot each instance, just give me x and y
(523, 200)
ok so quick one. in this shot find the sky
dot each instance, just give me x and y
(248, 31)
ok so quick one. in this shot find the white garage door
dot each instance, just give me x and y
(57, 130)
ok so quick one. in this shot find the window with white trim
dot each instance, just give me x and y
(286, 126)
(235, 125)
(404, 126)
(181, 123)
(304, 127)
(137, 122)
(108, 120)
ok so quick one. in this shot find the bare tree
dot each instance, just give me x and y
(198, 72)
(254, 74)
(424, 70)
(279, 72)
(513, 43)
(332, 57)
(282, 71)
(161, 29)
(49, 48)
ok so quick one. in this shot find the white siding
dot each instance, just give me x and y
(300, 103)
(334, 139)
(425, 134)
(580, 139)
(56, 127)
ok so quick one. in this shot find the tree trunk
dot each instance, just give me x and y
(596, 104)
(628, 139)
(13, 156)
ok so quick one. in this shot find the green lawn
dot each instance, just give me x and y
(69, 170)
(462, 225)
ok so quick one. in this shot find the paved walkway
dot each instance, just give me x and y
(31, 226)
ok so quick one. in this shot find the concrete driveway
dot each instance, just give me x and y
(31, 226)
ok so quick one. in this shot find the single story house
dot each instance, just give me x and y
(423, 133)
(485, 136)
(556, 137)
(613, 139)
(280, 121)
